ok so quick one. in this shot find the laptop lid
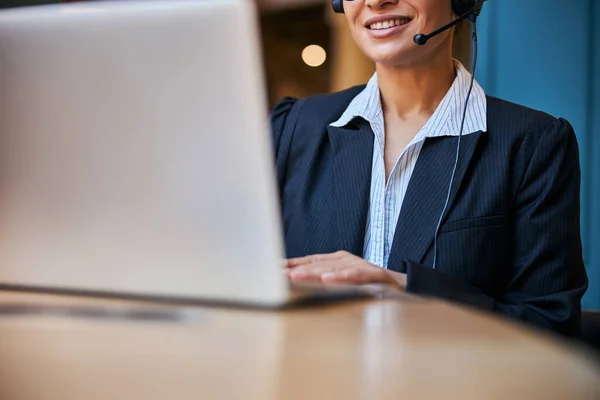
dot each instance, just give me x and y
(135, 154)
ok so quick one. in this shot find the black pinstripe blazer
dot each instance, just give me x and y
(510, 241)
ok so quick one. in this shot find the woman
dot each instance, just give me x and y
(364, 179)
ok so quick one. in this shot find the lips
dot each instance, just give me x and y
(389, 23)
(385, 26)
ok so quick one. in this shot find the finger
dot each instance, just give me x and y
(314, 271)
(303, 274)
(315, 258)
(355, 275)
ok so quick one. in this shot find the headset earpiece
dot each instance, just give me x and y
(460, 7)
(338, 6)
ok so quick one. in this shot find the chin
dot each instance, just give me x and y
(391, 57)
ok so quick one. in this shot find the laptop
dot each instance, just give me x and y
(135, 154)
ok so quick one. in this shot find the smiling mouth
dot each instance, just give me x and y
(388, 24)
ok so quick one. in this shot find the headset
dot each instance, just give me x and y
(463, 9)
(460, 7)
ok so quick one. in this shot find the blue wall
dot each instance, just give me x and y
(545, 54)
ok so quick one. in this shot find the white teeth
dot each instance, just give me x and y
(389, 24)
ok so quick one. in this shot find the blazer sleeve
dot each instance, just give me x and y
(548, 273)
(283, 122)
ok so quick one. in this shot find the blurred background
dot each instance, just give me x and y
(543, 54)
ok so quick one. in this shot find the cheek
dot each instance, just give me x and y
(352, 13)
(360, 36)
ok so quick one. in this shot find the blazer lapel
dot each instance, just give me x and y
(427, 193)
(352, 164)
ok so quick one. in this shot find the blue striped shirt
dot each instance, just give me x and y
(386, 199)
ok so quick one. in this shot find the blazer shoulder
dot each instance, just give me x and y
(329, 107)
(507, 117)
(321, 109)
(309, 115)
(538, 138)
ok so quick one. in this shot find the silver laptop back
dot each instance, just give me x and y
(135, 156)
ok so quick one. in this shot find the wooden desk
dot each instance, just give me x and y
(380, 349)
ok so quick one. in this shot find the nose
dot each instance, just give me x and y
(379, 4)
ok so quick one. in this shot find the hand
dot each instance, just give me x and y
(341, 267)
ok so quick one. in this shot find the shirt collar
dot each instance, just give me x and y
(367, 105)
(445, 121)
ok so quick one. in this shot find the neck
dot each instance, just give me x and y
(416, 90)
